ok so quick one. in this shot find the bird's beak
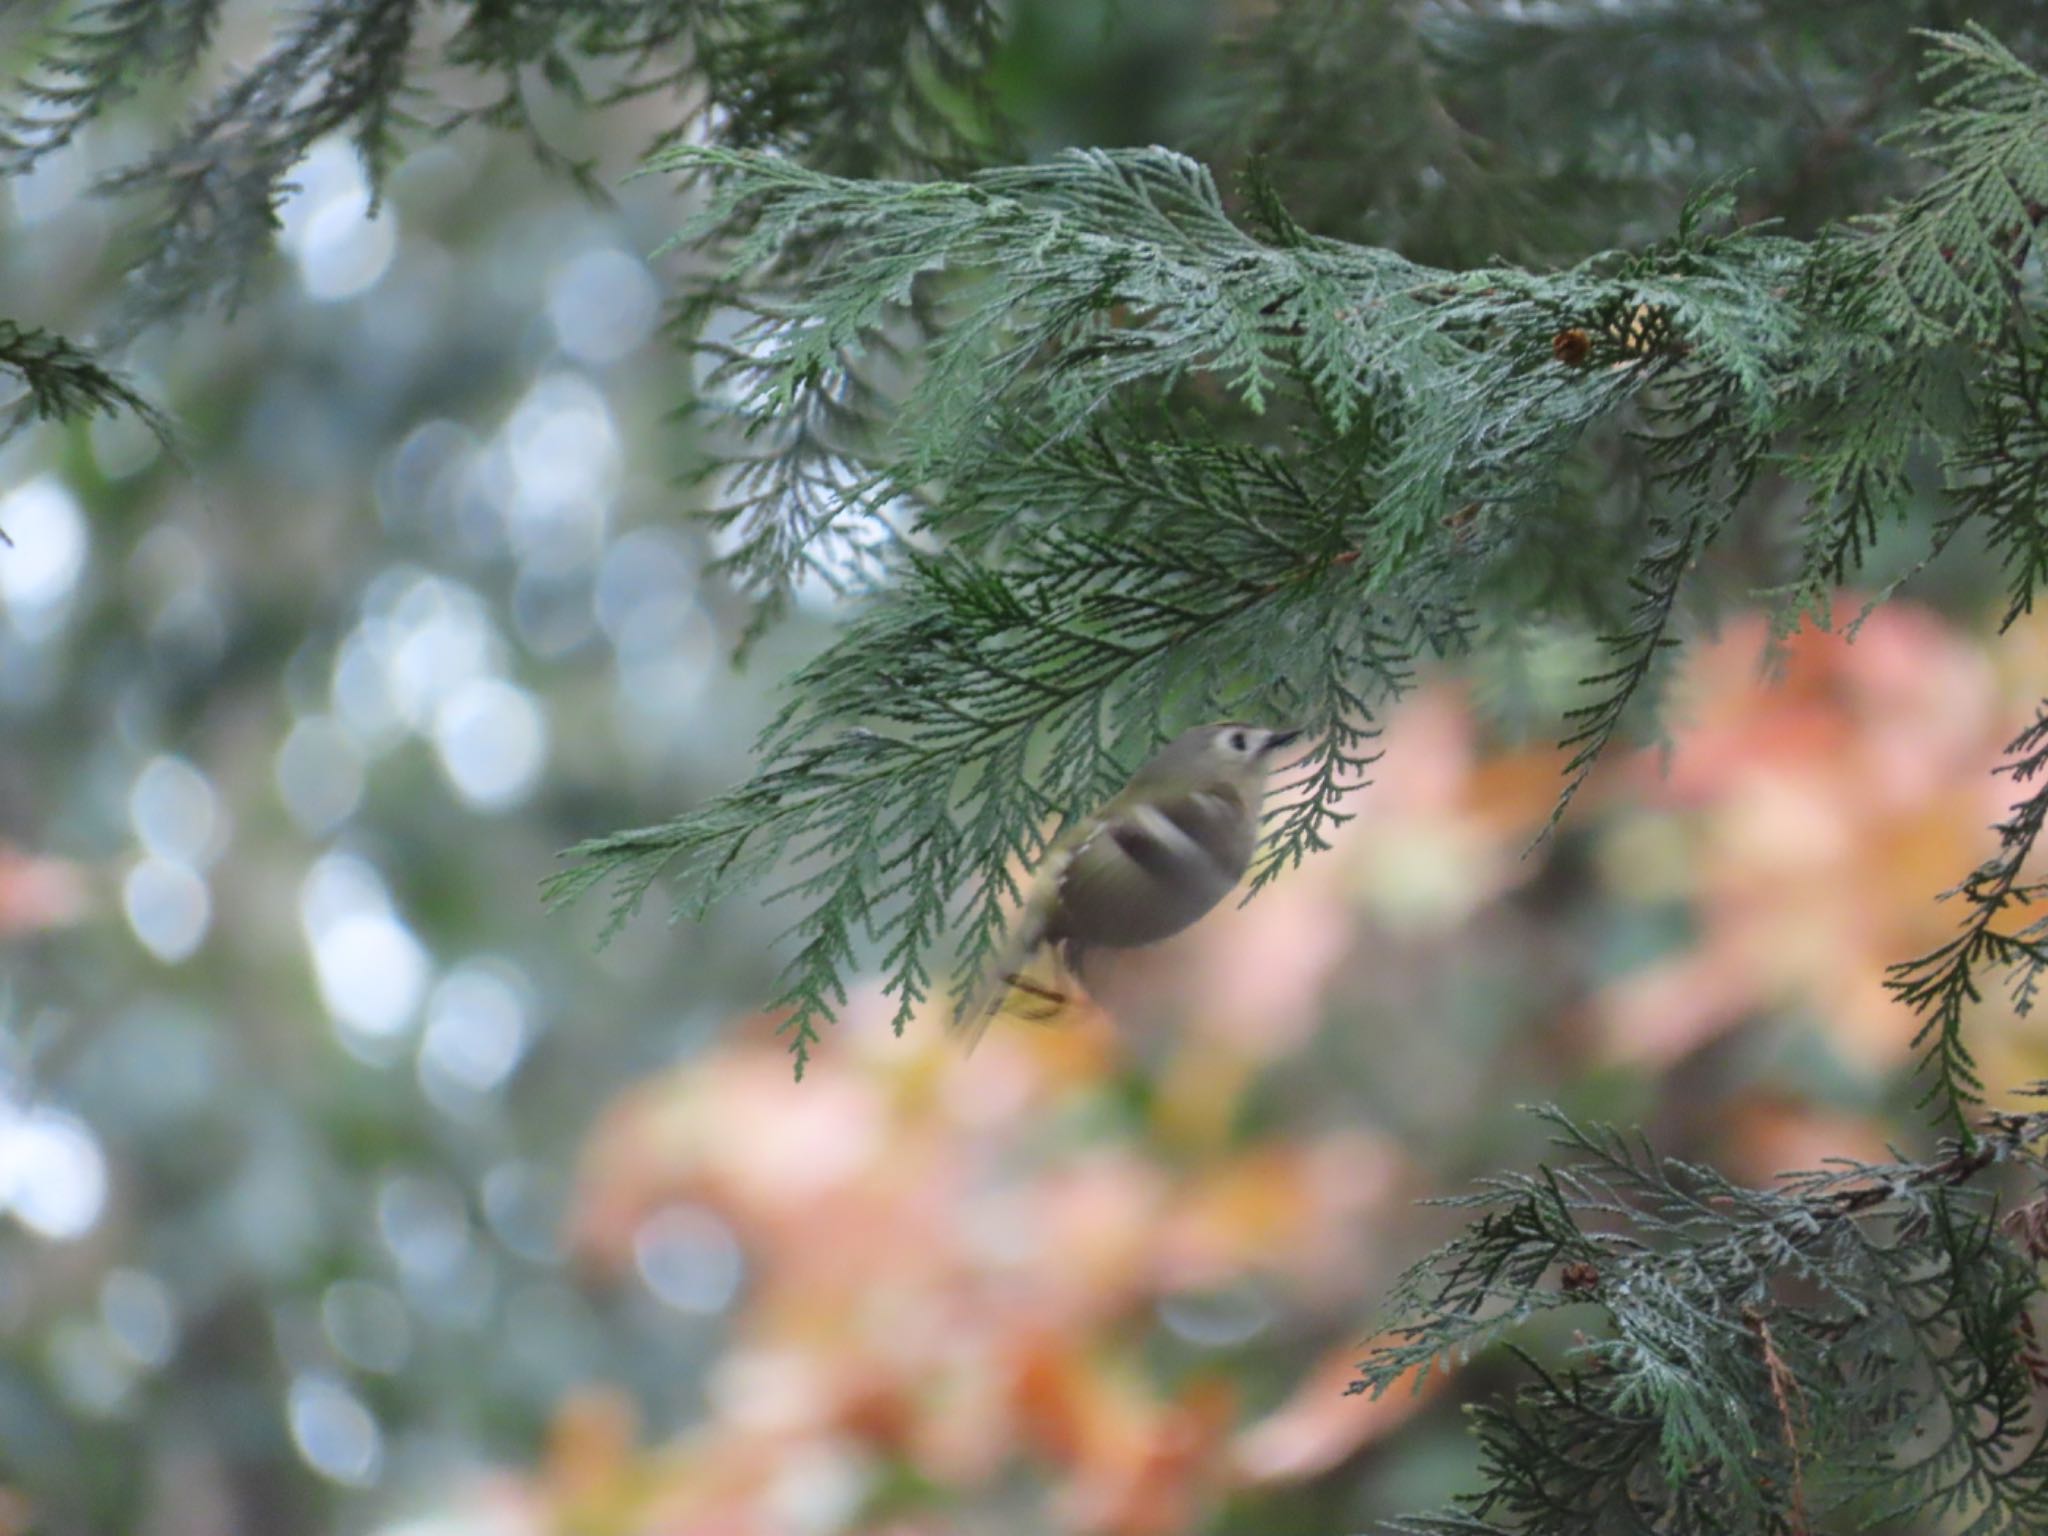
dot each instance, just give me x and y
(1278, 739)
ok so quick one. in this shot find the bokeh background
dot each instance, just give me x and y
(342, 1188)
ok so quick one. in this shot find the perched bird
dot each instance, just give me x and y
(1169, 846)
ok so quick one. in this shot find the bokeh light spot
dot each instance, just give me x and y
(476, 1026)
(53, 1176)
(319, 774)
(603, 305)
(563, 450)
(1220, 1319)
(820, 1487)
(420, 483)
(362, 692)
(424, 1225)
(334, 1431)
(647, 591)
(367, 1325)
(40, 569)
(175, 812)
(493, 743)
(340, 249)
(552, 611)
(89, 1372)
(137, 1309)
(445, 639)
(371, 971)
(523, 1203)
(689, 1258)
(168, 908)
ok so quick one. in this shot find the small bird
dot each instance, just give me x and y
(1169, 846)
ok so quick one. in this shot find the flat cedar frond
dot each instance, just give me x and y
(65, 380)
(1636, 649)
(1943, 984)
(1078, 282)
(1855, 465)
(1096, 449)
(1876, 1312)
(857, 85)
(1068, 339)
(950, 681)
(1999, 468)
(1948, 262)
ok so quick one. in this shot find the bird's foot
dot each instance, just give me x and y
(1053, 1001)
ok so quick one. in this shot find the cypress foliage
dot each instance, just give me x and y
(1143, 456)
(1141, 460)
(1116, 439)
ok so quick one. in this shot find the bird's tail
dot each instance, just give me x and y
(1007, 985)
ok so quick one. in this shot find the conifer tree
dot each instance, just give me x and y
(1439, 321)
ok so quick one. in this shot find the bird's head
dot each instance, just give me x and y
(1229, 753)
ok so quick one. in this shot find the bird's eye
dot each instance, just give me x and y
(1237, 741)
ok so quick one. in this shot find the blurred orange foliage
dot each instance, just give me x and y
(1810, 823)
(945, 1271)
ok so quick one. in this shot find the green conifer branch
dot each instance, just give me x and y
(1945, 983)
(1173, 463)
(1176, 469)
(858, 85)
(1998, 470)
(63, 380)
(1847, 1344)
(1946, 262)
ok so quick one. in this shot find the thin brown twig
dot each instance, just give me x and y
(1785, 1393)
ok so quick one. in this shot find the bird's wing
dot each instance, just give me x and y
(1148, 869)
(1139, 871)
